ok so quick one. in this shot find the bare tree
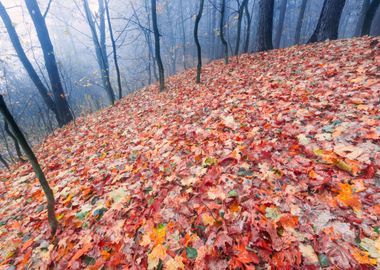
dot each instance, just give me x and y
(183, 35)
(50, 61)
(114, 50)
(196, 38)
(300, 21)
(328, 23)
(248, 26)
(240, 19)
(33, 160)
(42, 89)
(221, 29)
(362, 15)
(370, 14)
(157, 45)
(277, 38)
(15, 142)
(265, 25)
(100, 47)
(5, 163)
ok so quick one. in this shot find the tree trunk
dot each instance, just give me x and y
(328, 23)
(363, 11)
(44, 92)
(370, 14)
(5, 163)
(15, 142)
(299, 22)
(277, 39)
(114, 51)
(157, 45)
(183, 35)
(265, 23)
(33, 160)
(196, 38)
(240, 19)
(50, 61)
(99, 51)
(248, 30)
(221, 30)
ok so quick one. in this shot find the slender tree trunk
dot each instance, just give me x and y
(157, 45)
(42, 89)
(221, 29)
(183, 35)
(213, 47)
(248, 30)
(240, 19)
(363, 11)
(199, 49)
(114, 51)
(328, 23)
(299, 22)
(265, 25)
(101, 58)
(5, 163)
(370, 14)
(15, 142)
(6, 144)
(277, 39)
(33, 160)
(50, 62)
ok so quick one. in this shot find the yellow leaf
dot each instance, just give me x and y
(362, 257)
(158, 234)
(158, 252)
(207, 219)
(347, 197)
(174, 263)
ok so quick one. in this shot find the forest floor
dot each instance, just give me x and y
(273, 161)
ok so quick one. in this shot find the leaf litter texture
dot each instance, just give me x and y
(273, 161)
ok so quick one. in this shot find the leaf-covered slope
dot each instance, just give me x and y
(272, 161)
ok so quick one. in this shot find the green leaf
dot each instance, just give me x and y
(191, 253)
(272, 212)
(323, 260)
(81, 215)
(209, 161)
(232, 193)
(89, 260)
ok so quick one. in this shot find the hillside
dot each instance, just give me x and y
(272, 161)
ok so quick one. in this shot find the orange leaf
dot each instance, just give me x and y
(85, 248)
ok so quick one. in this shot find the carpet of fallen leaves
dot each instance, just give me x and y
(272, 162)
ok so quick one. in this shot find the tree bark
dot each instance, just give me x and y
(264, 33)
(248, 30)
(50, 62)
(221, 30)
(42, 89)
(183, 35)
(14, 139)
(299, 22)
(277, 39)
(114, 50)
(240, 19)
(328, 23)
(101, 58)
(363, 11)
(33, 160)
(5, 163)
(370, 14)
(157, 45)
(196, 38)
